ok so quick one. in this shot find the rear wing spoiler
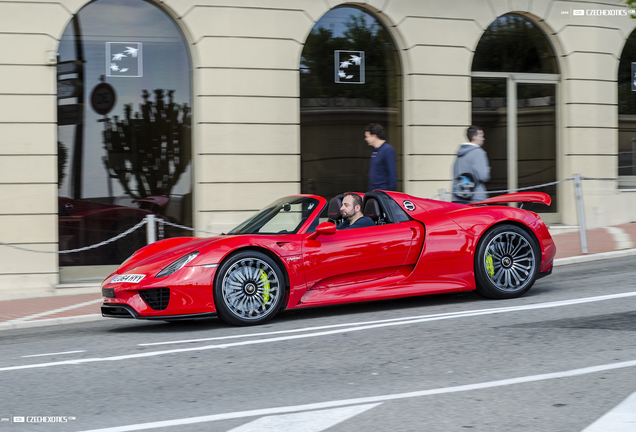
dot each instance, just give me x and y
(521, 197)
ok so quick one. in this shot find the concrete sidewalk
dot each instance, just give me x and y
(603, 243)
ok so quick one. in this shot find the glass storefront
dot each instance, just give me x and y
(490, 112)
(627, 113)
(514, 92)
(350, 76)
(124, 128)
(536, 138)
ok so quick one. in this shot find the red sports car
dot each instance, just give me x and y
(290, 255)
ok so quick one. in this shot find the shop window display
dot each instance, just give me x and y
(350, 76)
(124, 128)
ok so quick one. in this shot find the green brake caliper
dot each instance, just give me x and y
(265, 281)
(490, 268)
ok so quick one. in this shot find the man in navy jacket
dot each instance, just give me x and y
(382, 169)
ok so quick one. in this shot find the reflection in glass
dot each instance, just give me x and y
(536, 139)
(118, 167)
(334, 155)
(490, 110)
(627, 111)
(513, 43)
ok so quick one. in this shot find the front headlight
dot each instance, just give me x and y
(178, 264)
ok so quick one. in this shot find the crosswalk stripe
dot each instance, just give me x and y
(622, 418)
(308, 421)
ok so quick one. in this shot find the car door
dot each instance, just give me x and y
(358, 255)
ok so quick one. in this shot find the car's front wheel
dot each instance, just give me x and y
(249, 289)
(506, 263)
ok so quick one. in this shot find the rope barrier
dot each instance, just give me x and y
(161, 221)
(105, 242)
(608, 179)
(523, 188)
(531, 187)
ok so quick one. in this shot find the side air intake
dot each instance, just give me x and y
(156, 298)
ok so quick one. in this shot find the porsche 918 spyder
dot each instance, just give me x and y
(291, 255)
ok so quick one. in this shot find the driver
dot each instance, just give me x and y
(351, 211)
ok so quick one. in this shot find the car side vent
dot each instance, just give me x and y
(156, 298)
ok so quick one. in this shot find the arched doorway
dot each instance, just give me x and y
(124, 98)
(627, 114)
(350, 76)
(515, 80)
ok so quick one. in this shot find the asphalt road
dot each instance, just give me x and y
(557, 359)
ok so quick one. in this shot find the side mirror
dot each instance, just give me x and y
(325, 228)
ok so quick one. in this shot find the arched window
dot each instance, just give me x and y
(514, 89)
(350, 76)
(627, 112)
(124, 98)
(513, 43)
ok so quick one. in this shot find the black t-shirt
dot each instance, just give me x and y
(364, 221)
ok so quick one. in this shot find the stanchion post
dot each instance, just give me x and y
(151, 229)
(581, 212)
(160, 229)
(442, 194)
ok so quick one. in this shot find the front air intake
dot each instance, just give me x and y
(156, 298)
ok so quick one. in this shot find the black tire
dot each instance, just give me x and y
(506, 263)
(249, 289)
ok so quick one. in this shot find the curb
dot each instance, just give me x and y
(594, 257)
(9, 325)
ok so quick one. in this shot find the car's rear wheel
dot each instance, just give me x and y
(249, 289)
(506, 263)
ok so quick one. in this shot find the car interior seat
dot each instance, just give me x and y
(333, 211)
(372, 210)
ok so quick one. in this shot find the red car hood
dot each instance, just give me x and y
(153, 258)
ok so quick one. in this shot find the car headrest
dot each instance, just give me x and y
(372, 209)
(333, 212)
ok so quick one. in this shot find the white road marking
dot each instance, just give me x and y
(620, 419)
(368, 400)
(309, 421)
(50, 354)
(425, 318)
(433, 317)
(623, 240)
(263, 333)
(54, 311)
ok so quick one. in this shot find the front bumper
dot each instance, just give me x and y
(125, 311)
(185, 294)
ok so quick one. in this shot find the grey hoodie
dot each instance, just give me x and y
(472, 159)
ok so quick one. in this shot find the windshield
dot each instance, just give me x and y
(284, 216)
